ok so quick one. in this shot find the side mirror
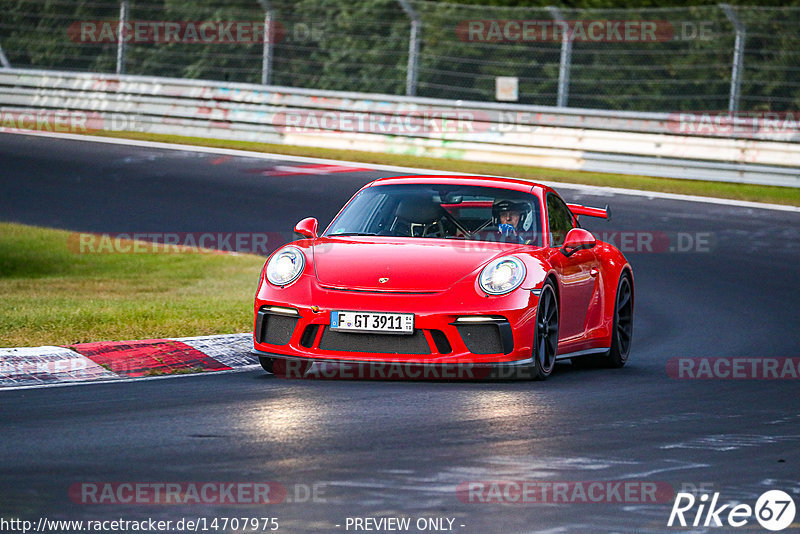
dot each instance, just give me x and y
(307, 227)
(577, 239)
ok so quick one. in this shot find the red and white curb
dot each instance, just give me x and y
(116, 360)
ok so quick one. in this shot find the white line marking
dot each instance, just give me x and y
(590, 189)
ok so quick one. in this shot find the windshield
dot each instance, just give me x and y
(445, 211)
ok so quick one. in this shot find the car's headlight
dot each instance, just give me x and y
(285, 266)
(502, 275)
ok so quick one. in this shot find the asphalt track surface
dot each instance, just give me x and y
(383, 448)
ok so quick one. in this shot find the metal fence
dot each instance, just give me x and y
(744, 59)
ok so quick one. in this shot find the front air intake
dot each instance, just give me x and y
(441, 342)
(487, 338)
(374, 343)
(274, 328)
(309, 335)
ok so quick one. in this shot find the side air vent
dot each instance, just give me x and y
(442, 344)
(309, 335)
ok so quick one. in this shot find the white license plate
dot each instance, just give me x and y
(375, 322)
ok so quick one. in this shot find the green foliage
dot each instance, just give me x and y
(54, 295)
(362, 45)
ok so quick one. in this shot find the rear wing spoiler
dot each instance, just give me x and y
(603, 213)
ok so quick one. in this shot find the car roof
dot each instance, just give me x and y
(486, 181)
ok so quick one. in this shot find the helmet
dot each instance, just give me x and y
(502, 206)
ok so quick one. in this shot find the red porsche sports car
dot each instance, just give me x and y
(435, 271)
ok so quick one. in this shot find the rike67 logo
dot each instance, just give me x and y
(774, 510)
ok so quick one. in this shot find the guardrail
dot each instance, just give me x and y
(656, 144)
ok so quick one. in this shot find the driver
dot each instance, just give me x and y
(510, 217)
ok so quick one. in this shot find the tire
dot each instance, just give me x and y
(268, 364)
(545, 337)
(622, 332)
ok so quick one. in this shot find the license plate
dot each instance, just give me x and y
(374, 322)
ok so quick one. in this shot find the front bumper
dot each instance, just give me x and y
(456, 326)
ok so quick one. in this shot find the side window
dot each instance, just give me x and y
(559, 219)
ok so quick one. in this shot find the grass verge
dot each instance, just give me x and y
(54, 296)
(755, 193)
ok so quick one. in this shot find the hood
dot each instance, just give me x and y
(409, 264)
